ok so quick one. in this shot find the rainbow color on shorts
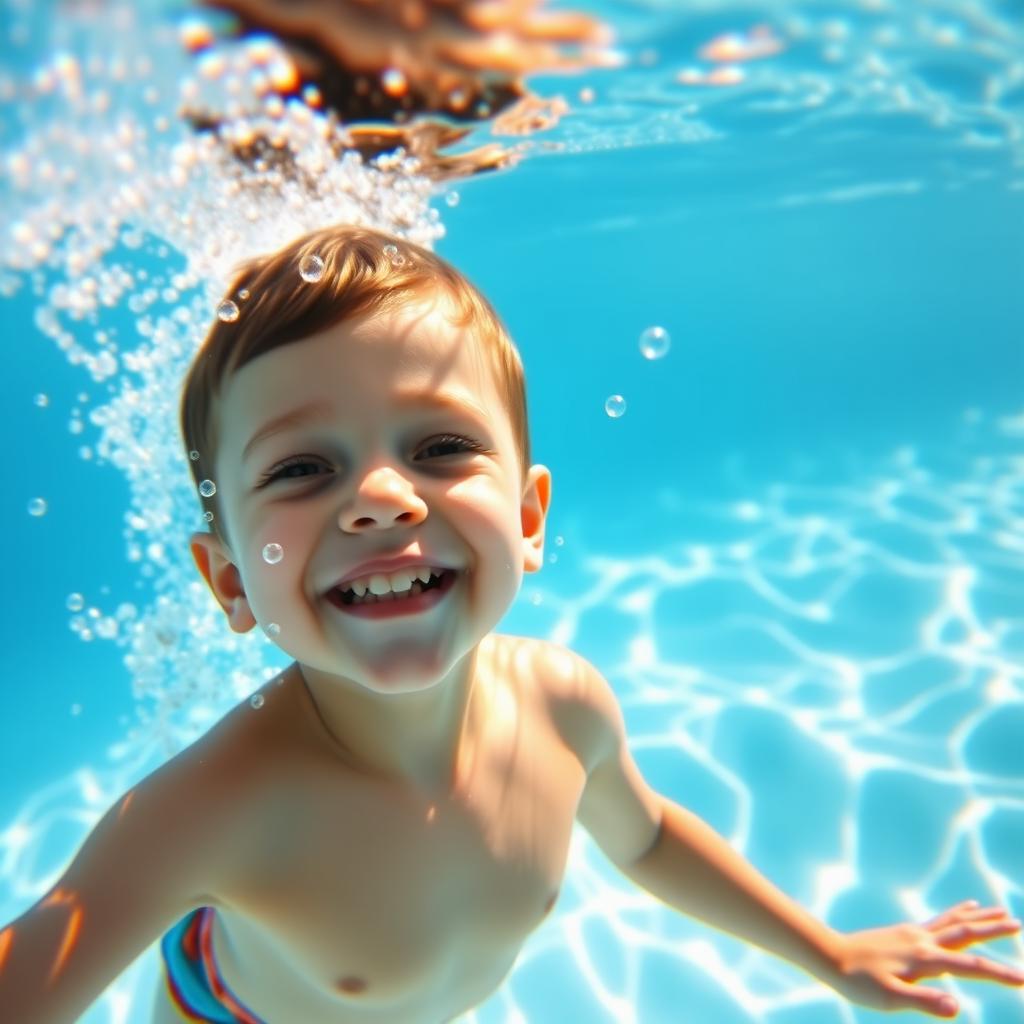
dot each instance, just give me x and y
(193, 980)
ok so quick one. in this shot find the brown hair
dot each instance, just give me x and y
(361, 271)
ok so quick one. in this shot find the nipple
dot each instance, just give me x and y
(352, 985)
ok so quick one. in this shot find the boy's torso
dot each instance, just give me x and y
(357, 900)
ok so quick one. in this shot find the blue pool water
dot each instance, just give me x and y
(797, 554)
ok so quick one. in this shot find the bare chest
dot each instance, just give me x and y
(375, 898)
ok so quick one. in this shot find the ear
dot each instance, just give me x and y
(213, 560)
(536, 501)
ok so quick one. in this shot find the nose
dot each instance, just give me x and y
(383, 499)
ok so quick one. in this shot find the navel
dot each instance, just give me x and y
(352, 986)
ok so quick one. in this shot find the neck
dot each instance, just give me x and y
(413, 738)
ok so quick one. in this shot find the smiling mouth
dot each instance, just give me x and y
(418, 598)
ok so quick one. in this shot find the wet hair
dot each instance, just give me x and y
(320, 280)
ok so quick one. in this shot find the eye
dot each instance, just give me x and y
(446, 444)
(282, 470)
(455, 441)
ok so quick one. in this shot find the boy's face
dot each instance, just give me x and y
(368, 480)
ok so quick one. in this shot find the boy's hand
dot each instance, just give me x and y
(876, 967)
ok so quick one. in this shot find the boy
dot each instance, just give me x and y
(375, 835)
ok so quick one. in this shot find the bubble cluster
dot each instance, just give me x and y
(128, 219)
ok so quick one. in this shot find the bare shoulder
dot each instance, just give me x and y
(193, 806)
(618, 807)
(579, 699)
(164, 847)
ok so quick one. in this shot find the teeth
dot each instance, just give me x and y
(398, 582)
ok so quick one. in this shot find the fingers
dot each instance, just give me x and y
(958, 909)
(965, 923)
(927, 1000)
(969, 965)
(956, 936)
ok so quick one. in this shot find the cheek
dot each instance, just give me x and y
(483, 510)
(284, 525)
(275, 552)
(488, 499)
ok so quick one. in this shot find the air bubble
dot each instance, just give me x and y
(311, 268)
(243, 294)
(208, 516)
(227, 311)
(391, 251)
(207, 488)
(106, 628)
(655, 342)
(273, 553)
(42, 400)
(615, 406)
(193, 455)
(394, 82)
(273, 629)
(37, 507)
(452, 198)
(256, 700)
(75, 602)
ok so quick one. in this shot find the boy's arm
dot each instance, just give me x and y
(671, 852)
(147, 862)
(687, 865)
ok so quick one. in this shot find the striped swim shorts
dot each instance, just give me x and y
(194, 982)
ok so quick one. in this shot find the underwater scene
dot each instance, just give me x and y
(764, 264)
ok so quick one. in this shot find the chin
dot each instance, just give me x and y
(402, 674)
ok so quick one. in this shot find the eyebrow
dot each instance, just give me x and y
(319, 412)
